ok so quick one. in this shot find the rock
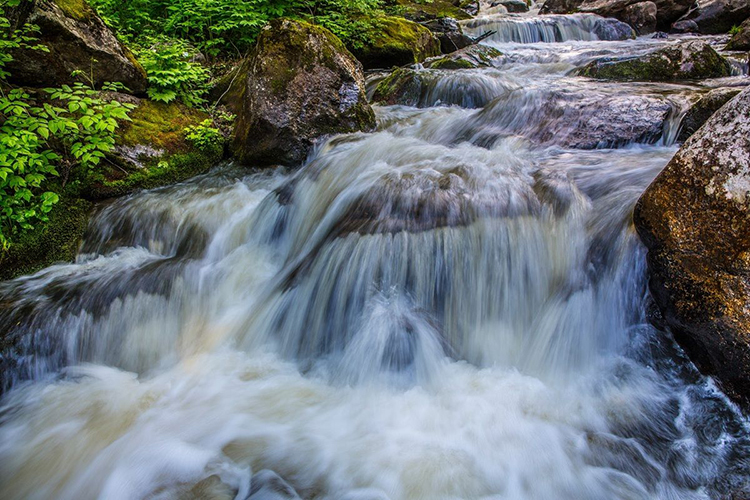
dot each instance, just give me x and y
(300, 83)
(695, 221)
(512, 5)
(449, 33)
(713, 17)
(685, 26)
(667, 11)
(641, 16)
(471, 7)
(77, 39)
(683, 61)
(741, 39)
(702, 110)
(474, 56)
(267, 485)
(420, 11)
(398, 42)
(152, 151)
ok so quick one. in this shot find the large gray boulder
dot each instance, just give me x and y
(300, 83)
(76, 39)
(690, 60)
(713, 17)
(741, 39)
(695, 221)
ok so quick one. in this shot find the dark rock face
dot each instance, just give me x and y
(300, 83)
(449, 33)
(695, 220)
(398, 42)
(641, 16)
(512, 5)
(77, 39)
(741, 40)
(716, 16)
(683, 61)
(474, 56)
(702, 110)
(667, 11)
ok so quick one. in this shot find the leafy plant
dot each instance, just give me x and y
(204, 136)
(10, 39)
(734, 30)
(172, 74)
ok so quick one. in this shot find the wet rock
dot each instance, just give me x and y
(267, 485)
(685, 26)
(682, 61)
(712, 17)
(695, 221)
(641, 16)
(211, 488)
(300, 83)
(398, 42)
(667, 11)
(702, 110)
(512, 5)
(76, 38)
(449, 33)
(741, 39)
(474, 56)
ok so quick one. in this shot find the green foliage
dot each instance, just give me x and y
(10, 39)
(204, 136)
(228, 28)
(171, 73)
(37, 140)
(735, 29)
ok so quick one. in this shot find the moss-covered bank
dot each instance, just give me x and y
(397, 42)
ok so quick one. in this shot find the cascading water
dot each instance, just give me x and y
(453, 306)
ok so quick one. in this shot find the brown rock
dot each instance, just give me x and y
(300, 83)
(741, 40)
(695, 220)
(77, 39)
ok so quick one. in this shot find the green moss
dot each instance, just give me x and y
(427, 10)
(398, 42)
(160, 125)
(54, 241)
(403, 86)
(448, 63)
(76, 9)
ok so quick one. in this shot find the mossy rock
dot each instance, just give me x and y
(692, 60)
(49, 242)
(426, 11)
(151, 151)
(474, 56)
(403, 86)
(398, 42)
(741, 39)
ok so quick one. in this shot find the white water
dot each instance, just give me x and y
(451, 307)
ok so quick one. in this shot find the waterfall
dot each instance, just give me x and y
(451, 306)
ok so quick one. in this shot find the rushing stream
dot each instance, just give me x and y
(454, 306)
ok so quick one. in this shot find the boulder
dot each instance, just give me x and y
(398, 42)
(685, 26)
(512, 5)
(713, 17)
(420, 11)
(682, 61)
(702, 110)
(695, 221)
(473, 56)
(667, 11)
(76, 39)
(300, 83)
(741, 39)
(449, 33)
(641, 16)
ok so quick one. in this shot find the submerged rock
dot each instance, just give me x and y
(683, 61)
(712, 17)
(695, 221)
(267, 485)
(741, 39)
(76, 38)
(300, 83)
(398, 42)
(702, 110)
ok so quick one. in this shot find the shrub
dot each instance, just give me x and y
(204, 136)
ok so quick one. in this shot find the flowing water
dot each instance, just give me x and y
(453, 306)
